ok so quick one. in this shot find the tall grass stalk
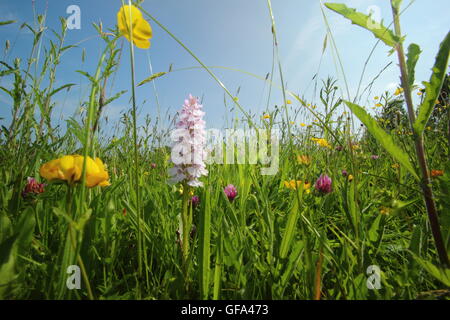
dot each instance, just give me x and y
(425, 183)
(136, 150)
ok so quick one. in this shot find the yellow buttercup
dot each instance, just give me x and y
(140, 28)
(69, 168)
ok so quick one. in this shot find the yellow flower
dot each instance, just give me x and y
(350, 178)
(140, 28)
(307, 187)
(399, 91)
(321, 142)
(385, 211)
(291, 122)
(419, 93)
(302, 159)
(376, 98)
(292, 184)
(302, 124)
(288, 102)
(378, 105)
(266, 116)
(69, 168)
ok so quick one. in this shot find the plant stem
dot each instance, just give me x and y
(75, 243)
(185, 226)
(420, 150)
(318, 280)
(135, 142)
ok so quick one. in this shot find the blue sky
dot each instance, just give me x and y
(232, 33)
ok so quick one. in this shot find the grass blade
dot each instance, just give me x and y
(204, 247)
(290, 229)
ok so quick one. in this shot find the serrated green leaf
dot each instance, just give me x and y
(383, 138)
(413, 55)
(384, 34)
(433, 88)
(151, 78)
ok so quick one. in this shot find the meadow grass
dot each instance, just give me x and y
(282, 237)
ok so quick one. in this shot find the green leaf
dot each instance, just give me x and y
(7, 91)
(384, 34)
(416, 241)
(218, 268)
(433, 88)
(69, 85)
(383, 138)
(292, 262)
(3, 23)
(413, 55)
(373, 231)
(87, 75)
(290, 230)
(25, 230)
(152, 77)
(204, 247)
(5, 227)
(116, 96)
(8, 255)
(443, 275)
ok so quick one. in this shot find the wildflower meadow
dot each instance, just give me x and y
(324, 193)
